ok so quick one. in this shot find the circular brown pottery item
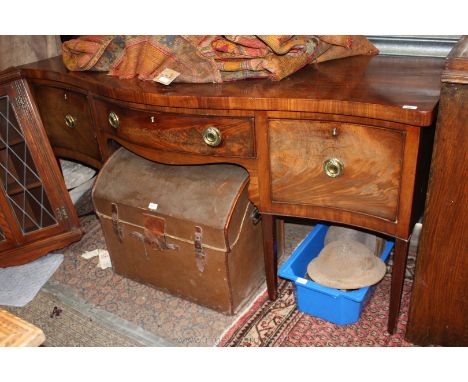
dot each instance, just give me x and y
(346, 264)
(374, 243)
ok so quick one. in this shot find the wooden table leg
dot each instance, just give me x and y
(269, 253)
(398, 277)
(280, 243)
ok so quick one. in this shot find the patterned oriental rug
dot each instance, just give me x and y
(279, 323)
(111, 310)
(182, 323)
(177, 321)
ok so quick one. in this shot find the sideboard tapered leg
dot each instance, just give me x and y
(398, 277)
(269, 253)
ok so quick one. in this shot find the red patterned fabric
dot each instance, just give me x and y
(208, 58)
(279, 323)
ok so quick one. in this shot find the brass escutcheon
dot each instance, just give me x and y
(212, 136)
(70, 121)
(333, 167)
(114, 120)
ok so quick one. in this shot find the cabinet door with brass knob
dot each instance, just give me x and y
(67, 119)
(337, 165)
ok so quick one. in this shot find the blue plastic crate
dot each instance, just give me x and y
(334, 305)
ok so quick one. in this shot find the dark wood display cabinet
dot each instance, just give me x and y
(36, 213)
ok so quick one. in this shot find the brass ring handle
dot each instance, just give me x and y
(333, 167)
(114, 120)
(212, 136)
(70, 121)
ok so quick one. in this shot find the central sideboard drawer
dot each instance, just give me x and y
(337, 165)
(178, 132)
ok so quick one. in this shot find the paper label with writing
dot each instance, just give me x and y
(104, 259)
(166, 76)
(103, 256)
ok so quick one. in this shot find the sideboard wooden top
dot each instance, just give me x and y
(399, 89)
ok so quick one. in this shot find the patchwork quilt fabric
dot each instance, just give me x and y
(202, 59)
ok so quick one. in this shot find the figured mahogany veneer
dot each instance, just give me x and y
(371, 156)
(382, 109)
(177, 132)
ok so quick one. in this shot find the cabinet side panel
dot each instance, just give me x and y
(439, 306)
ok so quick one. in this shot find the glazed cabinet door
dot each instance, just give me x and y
(36, 208)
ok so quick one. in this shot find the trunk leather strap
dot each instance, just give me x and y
(200, 257)
(116, 226)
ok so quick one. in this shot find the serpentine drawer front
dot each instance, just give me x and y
(338, 165)
(196, 134)
(67, 120)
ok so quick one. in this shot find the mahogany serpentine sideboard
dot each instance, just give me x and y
(346, 141)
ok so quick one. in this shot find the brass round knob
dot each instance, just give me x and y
(212, 136)
(114, 120)
(70, 121)
(333, 167)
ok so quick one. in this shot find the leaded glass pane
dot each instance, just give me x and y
(18, 175)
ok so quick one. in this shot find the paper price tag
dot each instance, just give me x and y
(103, 255)
(104, 259)
(409, 107)
(166, 76)
(300, 280)
(153, 206)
